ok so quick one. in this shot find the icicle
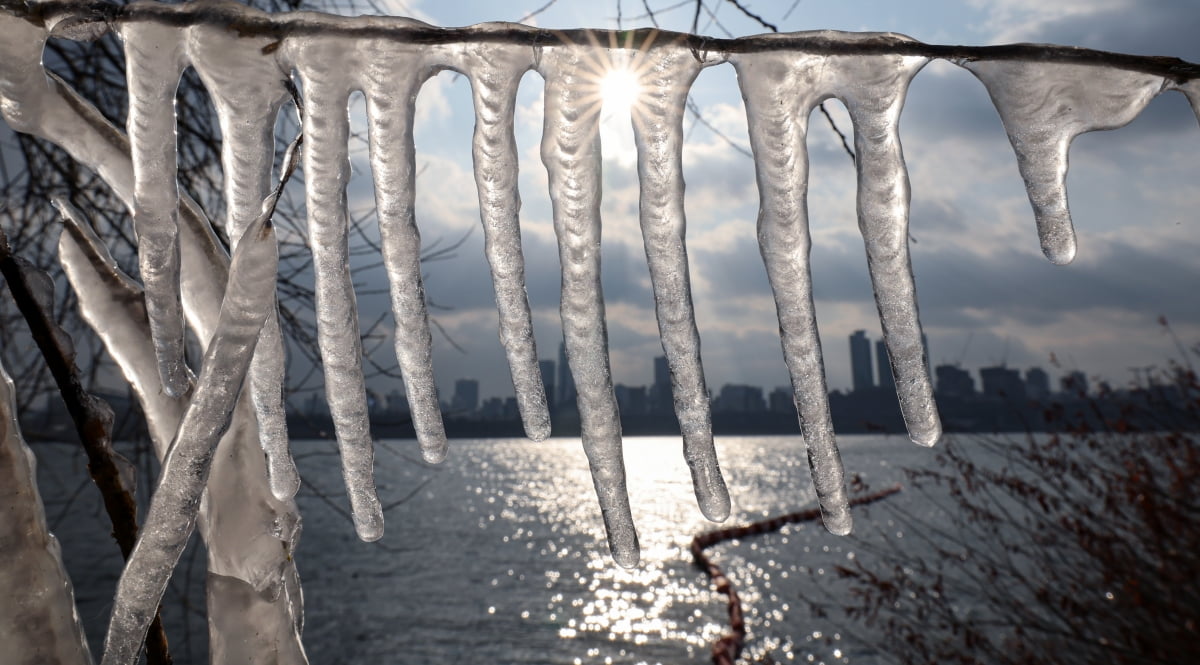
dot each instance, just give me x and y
(249, 535)
(781, 90)
(1192, 90)
(665, 74)
(185, 471)
(571, 153)
(38, 621)
(154, 61)
(391, 78)
(247, 89)
(1044, 106)
(495, 72)
(323, 74)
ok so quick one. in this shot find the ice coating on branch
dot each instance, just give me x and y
(249, 534)
(185, 471)
(326, 88)
(391, 76)
(1044, 106)
(781, 89)
(1192, 90)
(665, 74)
(495, 72)
(154, 61)
(571, 153)
(38, 621)
(247, 89)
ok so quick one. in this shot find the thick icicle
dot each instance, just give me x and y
(185, 471)
(249, 535)
(571, 153)
(38, 621)
(495, 71)
(781, 90)
(322, 67)
(1192, 90)
(1044, 106)
(392, 75)
(665, 74)
(154, 61)
(247, 89)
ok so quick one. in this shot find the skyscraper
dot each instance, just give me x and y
(884, 367)
(860, 361)
(466, 396)
(546, 367)
(566, 383)
(660, 393)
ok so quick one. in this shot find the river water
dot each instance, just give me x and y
(497, 555)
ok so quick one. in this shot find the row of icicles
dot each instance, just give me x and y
(1043, 104)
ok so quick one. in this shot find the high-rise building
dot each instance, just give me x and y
(1002, 382)
(661, 400)
(781, 400)
(546, 367)
(884, 367)
(566, 382)
(860, 361)
(466, 396)
(1037, 383)
(954, 381)
(631, 400)
(739, 399)
(1075, 383)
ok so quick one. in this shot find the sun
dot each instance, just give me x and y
(619, 89)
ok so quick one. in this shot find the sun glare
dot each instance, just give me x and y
(619, 90)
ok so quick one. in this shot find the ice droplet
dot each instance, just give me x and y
(571, 153)
(781, 89)
(1044, 106)
(664, 75)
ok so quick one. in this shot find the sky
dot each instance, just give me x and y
(986, 293)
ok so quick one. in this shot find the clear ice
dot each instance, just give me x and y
(664, 76)
(38, 621)
(781, 89)
(571, 153)
(1044, 106)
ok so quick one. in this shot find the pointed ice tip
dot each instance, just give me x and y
(285, 487)
(1060, 253)
(434, 454)
(626, 557)
(927, 438)
(839, 524)
(538, 431)
(715, 508)
(369, 532)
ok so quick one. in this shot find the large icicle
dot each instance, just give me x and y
(1192, 90)
(185, 470)
(247, 89)
(495, 71)
(781, 90)
(38, 621)
(665, 74)
(571, 153)
(1044, 106)
(154, 61)
(391, 76)
(323, 74)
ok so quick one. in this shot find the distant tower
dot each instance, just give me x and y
(546, 367)
(1037, 383)
(884, 367)
(566, 382)
(466, 396)
(660, 392)
(860, 361)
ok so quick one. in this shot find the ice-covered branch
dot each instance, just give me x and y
(783, 77)
(38, 622)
